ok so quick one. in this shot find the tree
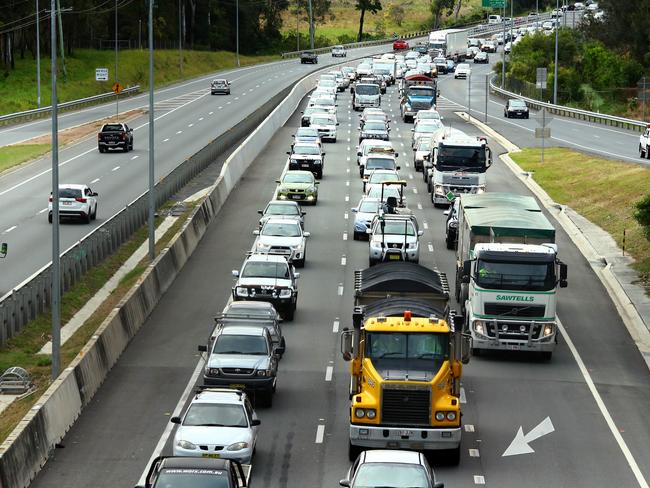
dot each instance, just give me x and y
(372, 6)
(396, 13)
(437, 7)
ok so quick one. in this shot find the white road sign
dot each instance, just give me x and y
(101, 74)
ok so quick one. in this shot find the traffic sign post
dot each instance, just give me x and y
(101, 74)
(117, 89)
(540, 82)
(494, 3)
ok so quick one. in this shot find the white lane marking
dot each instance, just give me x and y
(345, 236)
(425, 225)
(347, 170)
(596, 136)
(43, 211)
(219, 108)
(177, 411)
(115, 168)
(348, 139)
(179, 132)
(210, 113)
(347, 198)
(320, 433)
(410, 176)
(474, 453)
(340, 289)
(200, 119)
(328, 373)
(347, 183)
(402, 144)
(349, 147)
(430, 247)
(479, 480)
(335, 326)
(463, 396)
(345, 216)
(165, 140)
(603, 410)
(419, 206)
(236, 98)
(257, 86)
(10, 229)
(228, 103)
(348, 159)
(415, 190)
(344, 260)
(243, 94)
(190, 125)
(94, 181)
(469, 427)
(134, 157)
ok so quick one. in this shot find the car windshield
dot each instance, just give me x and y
(380, 345)
(281, 229)
(193, 478)
(322, 101)
(367, 90)
(461, 157)
(306, 149)
(396, 228)
(374, 116)
(307, 132)
(280, 209)
(421, 91)
(440, 61)
(380, 163)
(427, 128)
(69, 193)
(211, 414)
(241, 344)
(294, 177)
(369, 207)
(322, 121)
(463, 66)
(379, 177)
(374, 125)
(424, 144)
(266, 270)
(501, 275)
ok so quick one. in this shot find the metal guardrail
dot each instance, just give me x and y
(33, 296)
(72, 104)
(575, 113)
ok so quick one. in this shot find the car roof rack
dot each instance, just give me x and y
(217, 389)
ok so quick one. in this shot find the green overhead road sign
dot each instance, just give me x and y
(494, 3)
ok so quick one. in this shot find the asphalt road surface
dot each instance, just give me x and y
(187, 118)
(303, 440)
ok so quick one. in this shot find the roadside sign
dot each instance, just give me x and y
(543, 117)
(541, 78)
(542, 132)
(494, 3)
(117, 88)
(450, 196)
(101, 74)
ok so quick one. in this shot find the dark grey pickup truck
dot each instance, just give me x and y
(115, 136)
(308, 57)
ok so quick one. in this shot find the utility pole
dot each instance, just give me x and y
(297, 27)
(38, 58)
(503, 58)
(117, 95)
(65, 71)
(237, 31)
(557, 33)
(311, 27)
(56, 264)
(152, 196)
(512, 24)
(180, 36)
(140, 34)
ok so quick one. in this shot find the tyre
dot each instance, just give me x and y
(353, 452)
(425, 175)
(505, 114)
(102, 149)
(49, 217)
(300, 263)
(289, 313)
(546, 355)
(126, 148)
(476, 352)
(647, 152)
(356, 236)
(131, 146)
(86, 218)
(319, 175)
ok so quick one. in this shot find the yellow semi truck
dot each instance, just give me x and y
(406, 349)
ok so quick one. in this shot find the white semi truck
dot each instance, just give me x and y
(508, 273)
(451, 42)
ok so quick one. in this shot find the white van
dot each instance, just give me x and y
(494, 19)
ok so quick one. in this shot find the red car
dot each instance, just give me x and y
(400, 44)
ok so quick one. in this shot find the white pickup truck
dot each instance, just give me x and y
(644, 143)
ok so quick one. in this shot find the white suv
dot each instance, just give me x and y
(75, 201)
(219, 423)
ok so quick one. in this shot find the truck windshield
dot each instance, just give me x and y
(452, 158)
(367, 90)
(502, 275)
(421, 91)
(382, 345)
(437, 45)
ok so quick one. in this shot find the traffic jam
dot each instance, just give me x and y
(408, 341)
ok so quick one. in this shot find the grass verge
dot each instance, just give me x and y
(22, 350)
(14, 155)
(586, 184)
(18, 86)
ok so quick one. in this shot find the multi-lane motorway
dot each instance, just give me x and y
(187, 118)
(595, 391)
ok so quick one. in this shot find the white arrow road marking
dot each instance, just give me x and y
(519, 445)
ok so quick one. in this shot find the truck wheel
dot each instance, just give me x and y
(353, 452)
(49, 217)
(266, 398)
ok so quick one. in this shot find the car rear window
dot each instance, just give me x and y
(112, 128)
(69, 193)
(193, 478)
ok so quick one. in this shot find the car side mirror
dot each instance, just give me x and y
(175, 420)
(296, 275)
(235, 273)
(354, 209)
(316, 182)
(303, 213)
(438, 484)
(261, 212)
(94, 194)
(255, 422)
(277, 181)
(344, 483)
(256, 232)
(202, 348)
(289, 153)
(397, 168)
(323, 154)
(397, 155)
(306, 234)
(420, 233)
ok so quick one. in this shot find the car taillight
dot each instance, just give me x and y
(50, 199)
(81, 200)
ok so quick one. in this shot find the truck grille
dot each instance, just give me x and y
(406, 406)
(510, 330)
(515, 310)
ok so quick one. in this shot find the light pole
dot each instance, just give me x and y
(152, 196)
(503, 52)
(311, 28)
(56, 265)
(38, 58)
(180, 36)
(237, 30)
(557, 33)
(117, 95)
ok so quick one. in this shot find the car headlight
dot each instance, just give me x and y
(213, 371)
(241, 291)
(317, 161)
(479, 327)
(451, 416)
(263, 372)
(186, 445)
(440, 416)
(285, 293)
(359, 413)
(282, 197)
(262, 245)
(237, 446)
(480, 189)
(548, 329)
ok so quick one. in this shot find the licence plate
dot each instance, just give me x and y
(66, 203)
(406, 432)
(295, 197)
(394, 257)
(513, 347)
(211, 455)
(238, 386)
(305, 165)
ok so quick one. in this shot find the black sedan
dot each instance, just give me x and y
(516, 108)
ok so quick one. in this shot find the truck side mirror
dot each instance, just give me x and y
(346, 344)
(202, 348)
(563, 275)
(466, 348)
(467, 271)
(3, 250)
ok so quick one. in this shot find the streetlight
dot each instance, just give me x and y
(152, 196)
(503, 57)
(180, 36)
(38, 58)
(237, 30)
(557, 33)
(117, 95)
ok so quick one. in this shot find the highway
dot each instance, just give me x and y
(187, 118)
(595, 391)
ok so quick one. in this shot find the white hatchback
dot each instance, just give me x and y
(75, 201)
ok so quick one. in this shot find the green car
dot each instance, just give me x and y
(299, 186)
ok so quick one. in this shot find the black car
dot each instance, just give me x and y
(308, 57)
(115, 136)
(183, 472)
(516, 108)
